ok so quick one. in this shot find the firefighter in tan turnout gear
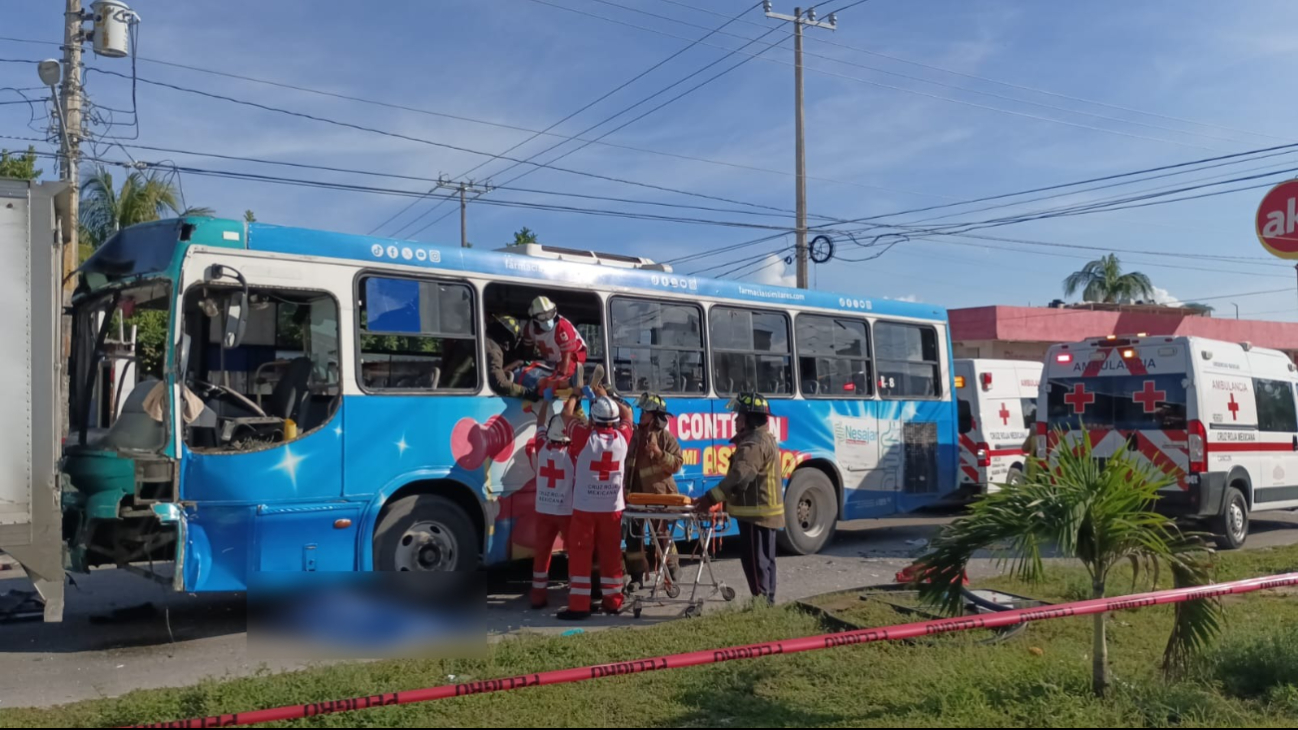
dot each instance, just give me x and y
(753, 491)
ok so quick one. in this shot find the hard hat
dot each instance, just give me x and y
(542, 308)
(652, 403)
(750, 403)
(511, 326)
(556, 430)
(604, 412)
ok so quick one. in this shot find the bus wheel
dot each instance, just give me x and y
(1231, 527)
(425, 532)
(810, 512)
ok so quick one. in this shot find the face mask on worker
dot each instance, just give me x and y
(545, 324)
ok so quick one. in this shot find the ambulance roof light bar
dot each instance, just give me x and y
(1064, 358)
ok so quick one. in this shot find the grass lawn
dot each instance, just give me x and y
(1038, 679)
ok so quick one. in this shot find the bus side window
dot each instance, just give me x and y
(417, 335)
(750, 351)
(834, 357)
(657, 346)
(909, 360)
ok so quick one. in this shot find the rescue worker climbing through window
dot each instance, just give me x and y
(753, 491)
(554, 478)
(599, 450)
(655, 456)
(558, 343)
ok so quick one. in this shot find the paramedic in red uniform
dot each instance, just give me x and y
(558, 343)
(553, 470)
(599, 450)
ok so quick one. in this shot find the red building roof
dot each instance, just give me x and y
(1041, 324)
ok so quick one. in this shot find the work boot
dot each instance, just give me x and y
(571, 615)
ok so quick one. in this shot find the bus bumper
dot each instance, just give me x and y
(1202, 497)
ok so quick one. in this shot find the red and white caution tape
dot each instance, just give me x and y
(715, 656)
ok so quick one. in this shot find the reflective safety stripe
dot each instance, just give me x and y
(579, 591)
(540, 585)
(739, 511)
(538, 575)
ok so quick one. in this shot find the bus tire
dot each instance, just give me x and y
(425, 532)
(810, 512)
(1231, 526)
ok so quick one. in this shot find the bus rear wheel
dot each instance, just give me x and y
(425, 533)
(810, 512)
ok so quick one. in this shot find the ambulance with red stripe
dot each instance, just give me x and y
(1220, 417)
(997, 401)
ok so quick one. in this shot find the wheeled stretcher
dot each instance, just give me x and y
(677, 519)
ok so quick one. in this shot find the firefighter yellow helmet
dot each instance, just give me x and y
(750, 403)
(652, 403)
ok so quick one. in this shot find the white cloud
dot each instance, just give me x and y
(775, 272)
(1163, 296)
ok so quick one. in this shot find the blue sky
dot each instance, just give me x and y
(1176, 80)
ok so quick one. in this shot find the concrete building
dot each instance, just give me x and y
(1024, 333)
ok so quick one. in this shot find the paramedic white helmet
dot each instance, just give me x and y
(604, 412)
(556, 431)
(543, 311)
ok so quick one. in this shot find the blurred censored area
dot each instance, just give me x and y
(363, 615)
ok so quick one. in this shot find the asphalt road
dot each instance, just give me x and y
(122, 633)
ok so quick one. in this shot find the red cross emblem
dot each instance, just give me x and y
(1149, 398)
(1080, 398)
(551, 474)
(605, 467)
(1004, 414)
(1234, 408)
(546, 352)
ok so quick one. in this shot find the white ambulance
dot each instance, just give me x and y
(1221, 417)
(997, 401)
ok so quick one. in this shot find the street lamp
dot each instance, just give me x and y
(1236, 310)
(51, 74)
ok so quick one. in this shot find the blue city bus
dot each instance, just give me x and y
(321, 401)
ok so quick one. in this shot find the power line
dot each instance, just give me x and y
(625, 110)
(513, 127)
(917, 92)
(346, 187)
(1019, 87)
(943, 85)
(1109, 186)
(1060, 186)
(620, 87)
(444, 145)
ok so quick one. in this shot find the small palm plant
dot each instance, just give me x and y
(1097, 513)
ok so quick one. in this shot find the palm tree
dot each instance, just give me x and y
(1102, 280)
(1096, 514)
(105, 210)
(524, 236)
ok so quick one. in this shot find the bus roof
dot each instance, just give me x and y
(388, 252)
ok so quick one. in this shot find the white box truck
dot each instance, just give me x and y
(31, 365)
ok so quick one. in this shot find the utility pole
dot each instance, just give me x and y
(799, 19)
(464, 187)
(71, 104)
